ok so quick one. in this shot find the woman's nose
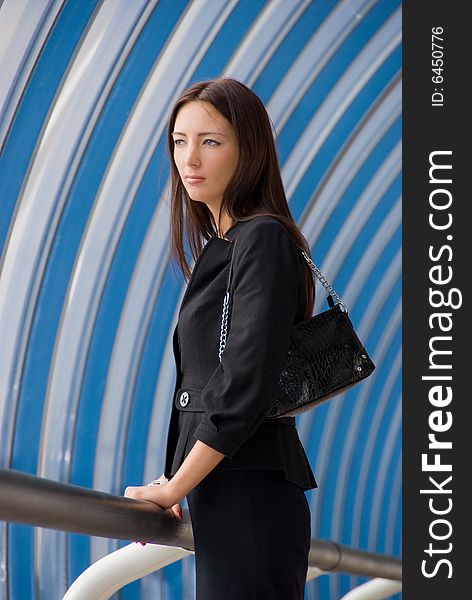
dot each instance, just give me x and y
(193, 155)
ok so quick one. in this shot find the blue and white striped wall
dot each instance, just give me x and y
(88, 299)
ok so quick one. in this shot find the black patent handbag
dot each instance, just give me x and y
(325, 356)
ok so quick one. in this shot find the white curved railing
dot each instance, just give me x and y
(375, 589)
(112, 572)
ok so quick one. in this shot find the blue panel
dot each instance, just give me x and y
(330, 75)
(373, 223)
(48, 72)
(63, 40)
(36, 101)
(383, 523)
(378, 384)
(144, 394)
(352, 193)
(292, 45)
(227, 40)
(377, 453)
(330, 149)
(173, 578)
(105, 137)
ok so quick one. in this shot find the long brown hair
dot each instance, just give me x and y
(256, 187)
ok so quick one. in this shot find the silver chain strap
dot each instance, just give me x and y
(318, 274)
(224, 324)
(324, 282)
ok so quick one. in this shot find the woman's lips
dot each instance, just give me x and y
(194, 179)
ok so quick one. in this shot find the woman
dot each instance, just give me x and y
(244, 476)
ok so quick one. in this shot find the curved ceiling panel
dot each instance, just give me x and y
(88, 298)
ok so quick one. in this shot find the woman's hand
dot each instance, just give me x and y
(158, 495)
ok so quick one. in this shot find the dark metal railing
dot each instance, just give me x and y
(41, 502)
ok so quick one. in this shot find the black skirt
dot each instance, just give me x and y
(252, 536)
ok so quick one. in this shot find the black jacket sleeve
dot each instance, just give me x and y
(264, 301)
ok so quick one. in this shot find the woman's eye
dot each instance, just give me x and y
(211, 142)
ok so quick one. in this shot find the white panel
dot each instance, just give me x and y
(360, 212)
(367, 454)
(272, 25)
(363, 397)
(347, 87)
(382, 237)
(24, 27)
(145, 126)
(77, 107)
(388, 446)
(327, 39)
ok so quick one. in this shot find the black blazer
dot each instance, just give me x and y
(224, 404)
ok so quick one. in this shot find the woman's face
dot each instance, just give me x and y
(205, 146)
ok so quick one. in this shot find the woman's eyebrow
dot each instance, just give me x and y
(203, 133)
